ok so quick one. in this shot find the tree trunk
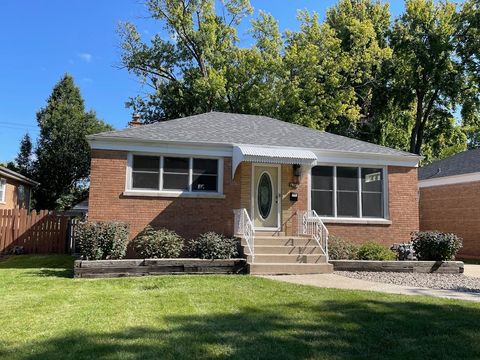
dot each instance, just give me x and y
(423, 122)
(418, 122)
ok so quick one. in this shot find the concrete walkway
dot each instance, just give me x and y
(342, 282)
(472, 270)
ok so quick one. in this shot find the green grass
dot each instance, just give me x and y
(45, 314)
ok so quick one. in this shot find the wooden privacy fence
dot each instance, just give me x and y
(35, 232)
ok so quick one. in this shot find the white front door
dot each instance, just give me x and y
(266, 196)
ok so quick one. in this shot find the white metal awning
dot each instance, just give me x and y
(271, 155)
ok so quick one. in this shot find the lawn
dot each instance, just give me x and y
(46, 314)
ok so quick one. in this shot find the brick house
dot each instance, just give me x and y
(450, 199)
(15, 190)
(190, 174)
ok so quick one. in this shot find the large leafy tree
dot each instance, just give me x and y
(362, 28)
(403, 84)
(427, 74)
(62, 162)
(186, 71)
(469, 52)
(315, 93)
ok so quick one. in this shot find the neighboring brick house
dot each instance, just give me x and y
(189, 175)
(15, 190)
(450, 199)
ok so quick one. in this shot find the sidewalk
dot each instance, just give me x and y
(341, 282)
(472, 270)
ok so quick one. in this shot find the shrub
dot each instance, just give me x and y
(373, 251)
(102, 240)
(340, 249)
(163, 243)
(213, 246)
(435, 246)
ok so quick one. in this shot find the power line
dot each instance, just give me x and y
(10, 127)
(22, 125)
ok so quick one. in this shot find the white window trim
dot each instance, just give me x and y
(3, 186)
(385, 220)
(129, 191)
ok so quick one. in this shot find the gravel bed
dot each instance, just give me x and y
(458, 282)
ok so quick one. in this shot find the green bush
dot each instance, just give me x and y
(373, 251)
(213, 246)
(102, 240)
(340, 249)
(154, 244)
(435, 246)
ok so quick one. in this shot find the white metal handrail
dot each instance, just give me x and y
(244, 227)
(309, 223)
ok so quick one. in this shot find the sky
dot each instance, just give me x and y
(44, 39)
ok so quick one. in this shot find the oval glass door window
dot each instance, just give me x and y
(265, 195)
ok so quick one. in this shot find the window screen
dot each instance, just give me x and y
(322, 190)
(145, 172)
(176, 173)
(372, 192)
(205, 175)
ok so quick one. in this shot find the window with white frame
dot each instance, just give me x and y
(348, 192)
(174, 173)
(3, 189)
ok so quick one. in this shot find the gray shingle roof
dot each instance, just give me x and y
(227, 128)
(462, 163)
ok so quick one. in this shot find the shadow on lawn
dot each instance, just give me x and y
(341, 329)
(41, 265)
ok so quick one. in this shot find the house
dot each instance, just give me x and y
(80, 209)
(15, 190)
(450, 199)
(190, 174)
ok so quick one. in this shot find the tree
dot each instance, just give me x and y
(188, 71)
(23, 161)
(62, 162)
(362, 28)
(402, 85)
(427, 72)
(316, 93)
(469, 51)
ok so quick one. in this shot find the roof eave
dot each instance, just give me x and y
(15, 176)
(408, 158)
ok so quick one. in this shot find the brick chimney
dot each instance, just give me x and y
(135, 121)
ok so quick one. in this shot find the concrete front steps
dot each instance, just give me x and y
(288, 259)
(286, 255)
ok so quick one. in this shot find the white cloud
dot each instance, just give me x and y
(85, 57)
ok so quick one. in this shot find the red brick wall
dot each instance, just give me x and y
(403, 209)
(453, 208)
(290, 208)
(11, 195)
(190, 217)
(187, 216)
